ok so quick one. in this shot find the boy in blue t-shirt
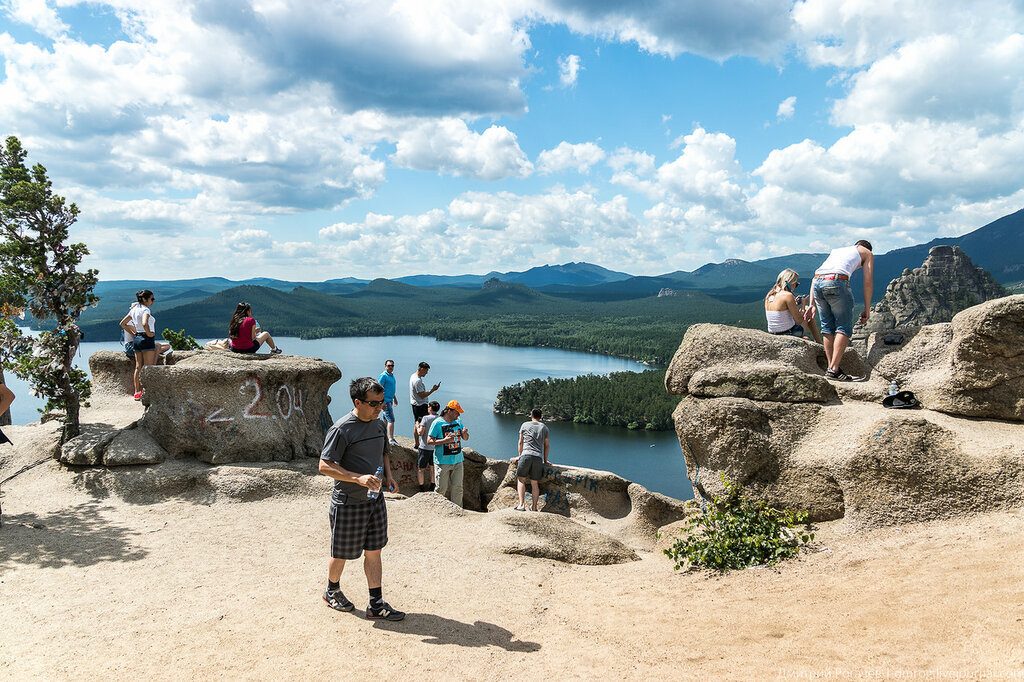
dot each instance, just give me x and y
(446, 436)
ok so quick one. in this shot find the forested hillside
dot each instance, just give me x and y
(647, 329)
(630, 399)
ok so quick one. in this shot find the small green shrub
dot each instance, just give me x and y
(180, 341)
(736, 532)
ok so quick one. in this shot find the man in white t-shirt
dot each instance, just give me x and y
(418, 395)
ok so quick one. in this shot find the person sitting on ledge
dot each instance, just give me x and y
(783, 308)
(245, 334)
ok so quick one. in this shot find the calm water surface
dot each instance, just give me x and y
(472, 373)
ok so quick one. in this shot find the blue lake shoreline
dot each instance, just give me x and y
(472, 373)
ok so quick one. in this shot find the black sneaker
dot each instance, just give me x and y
(385, 611)
(337, 601)
(838, 375)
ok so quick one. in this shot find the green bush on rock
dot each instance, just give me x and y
(736, 532)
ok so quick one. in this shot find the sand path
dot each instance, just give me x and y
(100, 588)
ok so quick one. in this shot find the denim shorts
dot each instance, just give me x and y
(795, 330)
(388, 413)
(834, 301)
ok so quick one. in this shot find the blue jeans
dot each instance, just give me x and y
(834, 301)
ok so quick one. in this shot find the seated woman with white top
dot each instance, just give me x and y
(783, 308)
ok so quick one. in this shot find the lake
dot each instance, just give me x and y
(472, 373)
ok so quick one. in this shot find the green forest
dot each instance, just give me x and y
(645, 329)
(635, 400)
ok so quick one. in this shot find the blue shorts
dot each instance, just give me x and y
(388, 413)
(834, 301)
(795, 330)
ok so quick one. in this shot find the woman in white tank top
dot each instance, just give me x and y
(783, 310)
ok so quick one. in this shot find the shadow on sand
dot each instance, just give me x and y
(440, 630)
(76, 536)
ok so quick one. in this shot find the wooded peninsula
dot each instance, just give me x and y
(635, 400)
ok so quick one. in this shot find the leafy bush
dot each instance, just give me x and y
(737, 532)
(179, 341)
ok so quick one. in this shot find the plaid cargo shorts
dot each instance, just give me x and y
(355, 527)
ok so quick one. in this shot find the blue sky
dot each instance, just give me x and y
(314, 140)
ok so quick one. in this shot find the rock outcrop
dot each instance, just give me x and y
(610, 503)
(946, 283)
(972, 367)
(219, 407)
(840, 454)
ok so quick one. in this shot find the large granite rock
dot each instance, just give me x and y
(622, 509)
(750, 416)
(112, 371)
(973, 366)
(946, 283)
(223, 407)
(713, 358)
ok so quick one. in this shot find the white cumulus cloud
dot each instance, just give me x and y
(569, 70)
(580, 157)
(450, 146)
(786, 108)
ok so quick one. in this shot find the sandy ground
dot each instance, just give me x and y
(95, 587)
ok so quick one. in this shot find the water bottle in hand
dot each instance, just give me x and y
(894, 388)
(370, 492)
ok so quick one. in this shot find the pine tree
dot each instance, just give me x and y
(39, 274)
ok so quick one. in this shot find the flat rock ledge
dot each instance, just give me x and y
(755, 409)
(215, 407)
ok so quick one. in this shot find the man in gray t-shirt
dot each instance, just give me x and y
(534, 446)
(355, 447)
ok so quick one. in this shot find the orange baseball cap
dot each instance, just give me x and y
(454, 405)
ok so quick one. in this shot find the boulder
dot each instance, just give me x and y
(761, 381)
(973, 366)
(133, 445)
(626, 511)
(112, 371)
(224, 407)
(731, 351)
(550, 536)
(910, 469)
(945, 284)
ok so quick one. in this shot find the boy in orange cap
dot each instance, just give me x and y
(446, 436)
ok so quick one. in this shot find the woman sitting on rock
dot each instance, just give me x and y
(783, 308)
(245, 335)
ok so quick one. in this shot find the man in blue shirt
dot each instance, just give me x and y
(446, 436)
(387, 380)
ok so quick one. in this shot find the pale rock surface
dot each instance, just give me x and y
(972, 366)
(224, 407)
(850, 458)
(945, 284)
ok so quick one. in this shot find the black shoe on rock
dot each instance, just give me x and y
(838, 375)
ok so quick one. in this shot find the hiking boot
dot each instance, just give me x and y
(838, 375)
(337, 601)
(385, 612)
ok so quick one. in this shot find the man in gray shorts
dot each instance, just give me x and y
(425, 455)
(534, 446)
(355, 447)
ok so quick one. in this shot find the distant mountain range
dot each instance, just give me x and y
(998, 247)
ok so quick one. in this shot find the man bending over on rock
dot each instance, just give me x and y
(533, 457)
(833, 300)
(355, 447)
